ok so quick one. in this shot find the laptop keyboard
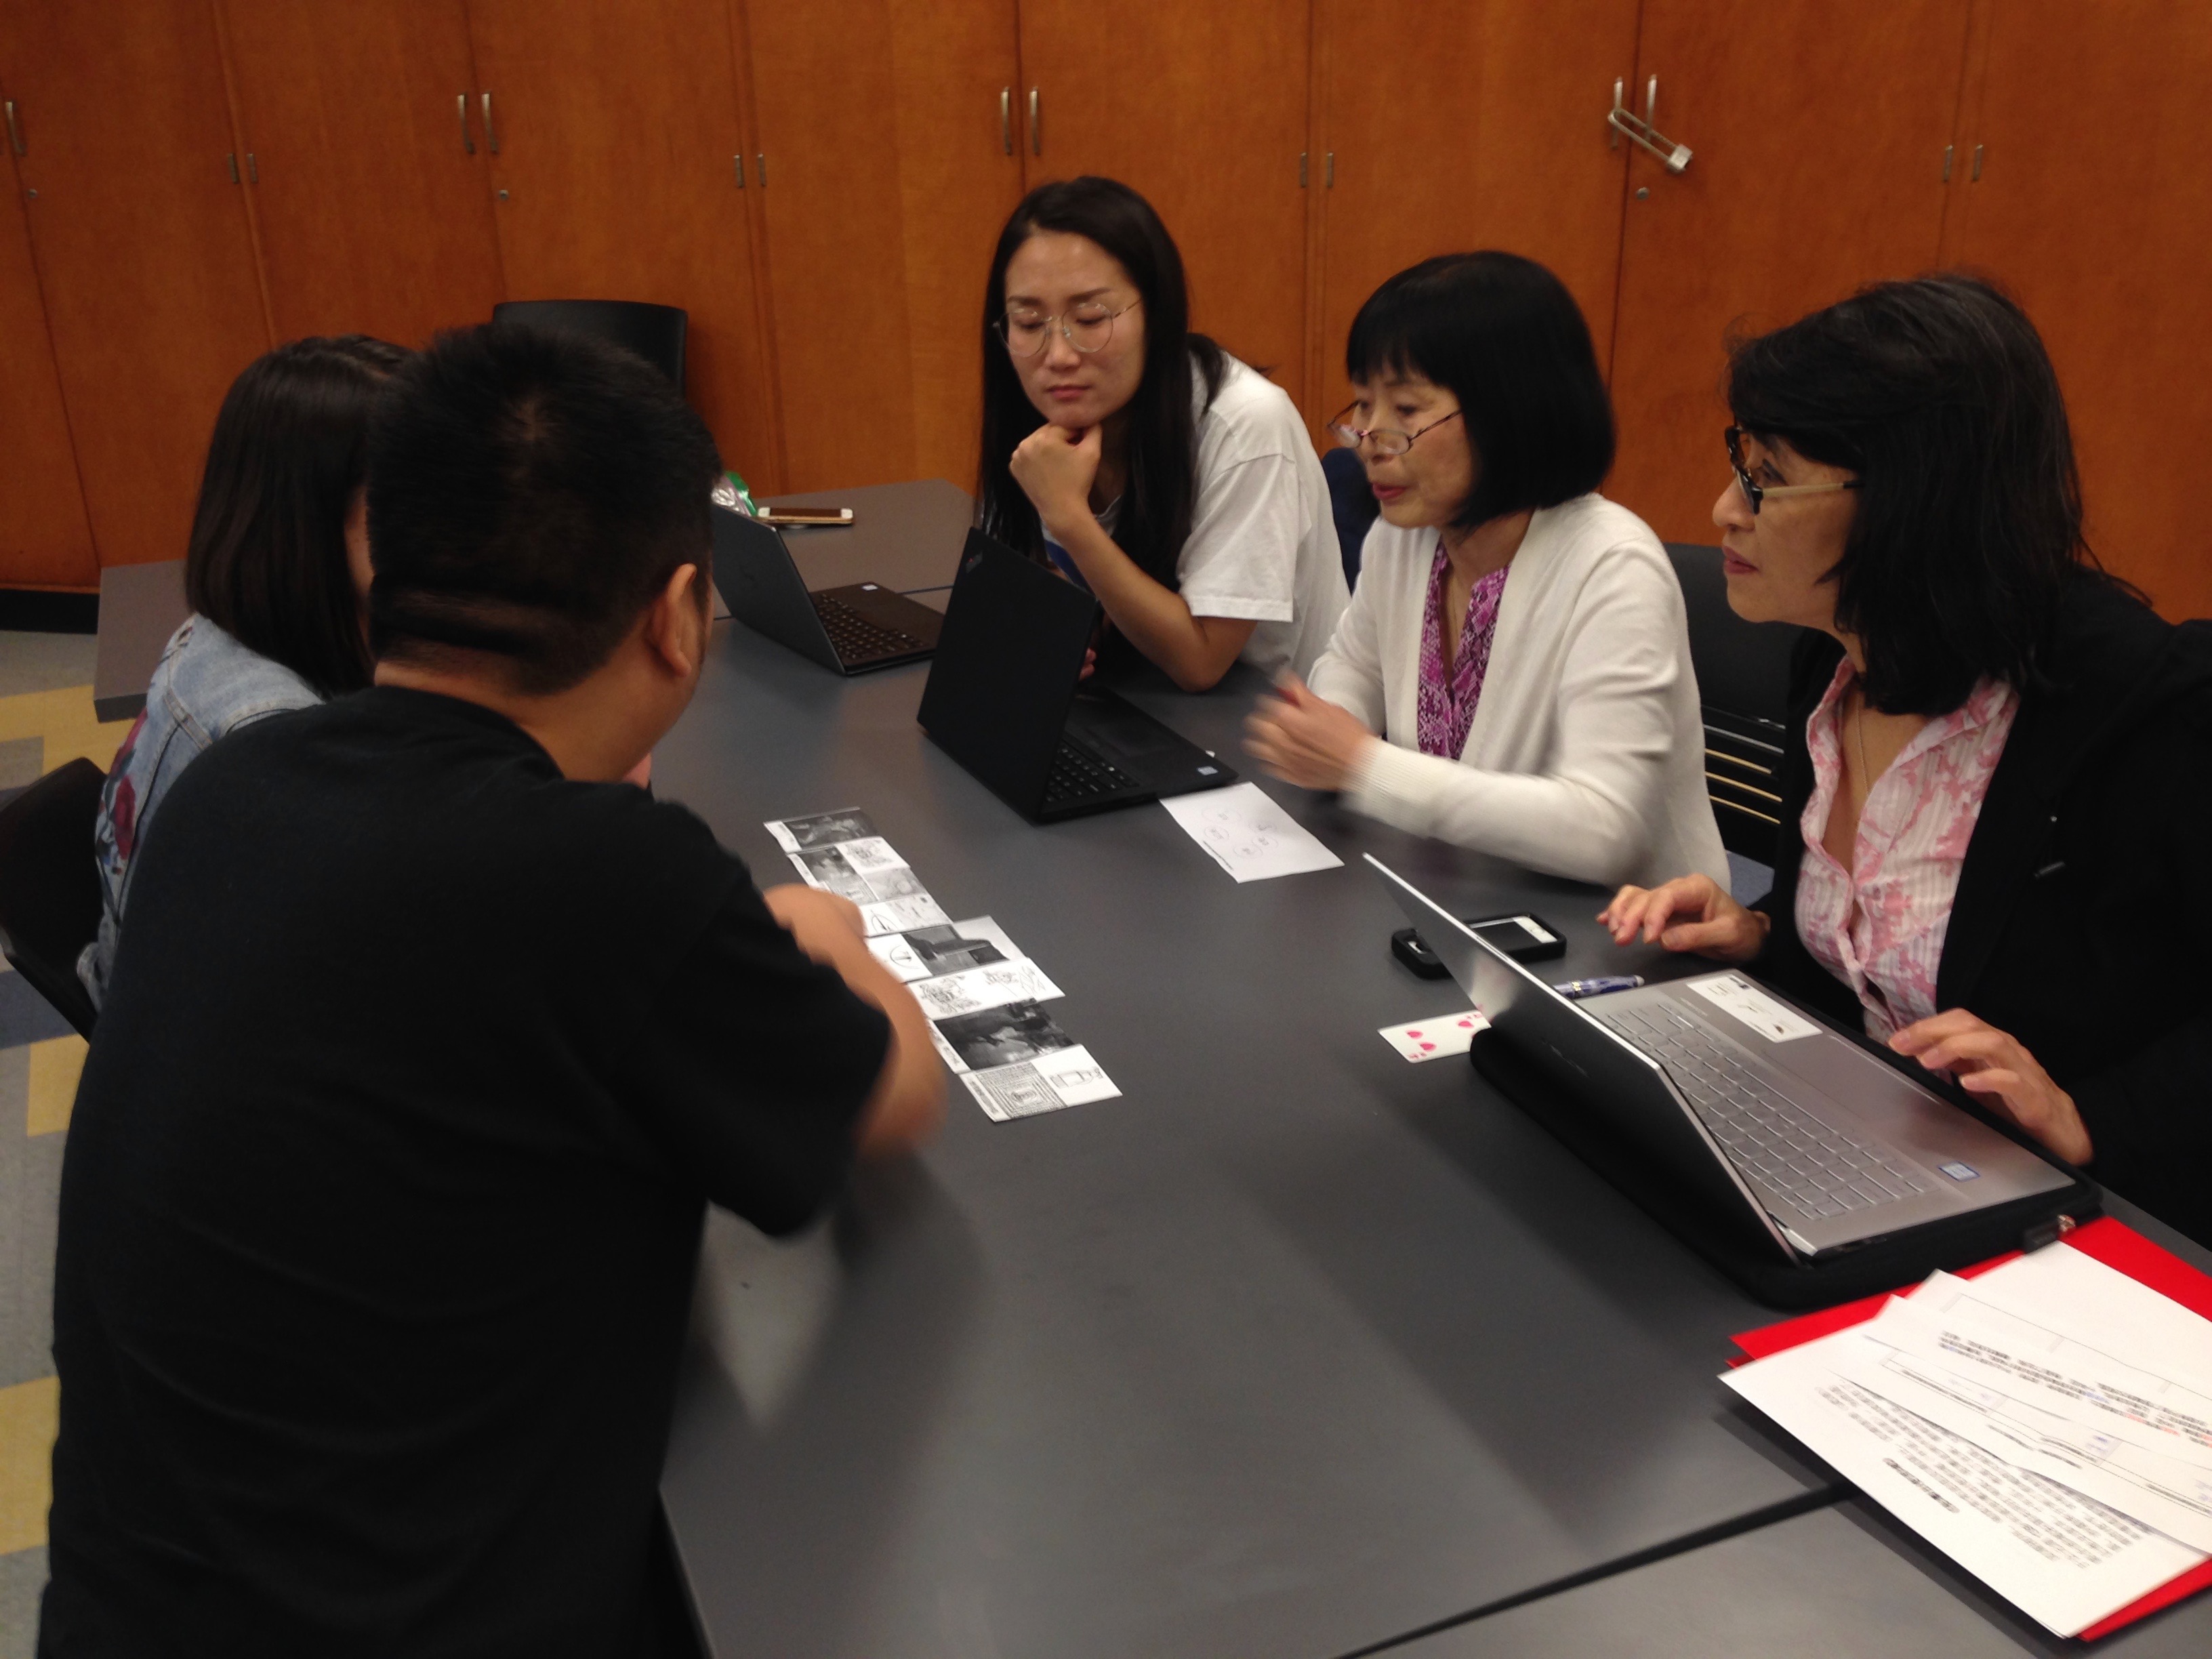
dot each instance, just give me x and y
(1078, 776)
(1798, 1163)
(856, 638)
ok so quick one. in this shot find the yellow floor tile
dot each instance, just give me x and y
(55, 1065)
(30, 1413)
(66, 720)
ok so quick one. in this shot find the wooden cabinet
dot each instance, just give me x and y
(2076, 189)
(889, 171)
(142, 248)
(1522, 162)
(1202, 105)
(367, 174)
(1818, 135)
(44, 539)
(614, 135)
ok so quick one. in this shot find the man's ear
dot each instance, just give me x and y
(677, 622)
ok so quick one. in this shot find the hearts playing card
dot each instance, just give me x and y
(1434, 1039)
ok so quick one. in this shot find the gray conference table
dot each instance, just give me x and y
(1293, 1349)
(906, 536)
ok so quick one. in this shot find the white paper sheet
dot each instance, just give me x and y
(841, 852)
(2034, 1403)
(2062, 1557)
(1248, 835)
(953, 947)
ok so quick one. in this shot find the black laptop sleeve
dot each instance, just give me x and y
(1881, 1265)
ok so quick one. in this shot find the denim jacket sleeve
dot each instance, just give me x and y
(206, 686)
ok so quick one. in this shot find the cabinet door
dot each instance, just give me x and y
(45, 540)
(369, 180)
(1818, 136)
(2096, 216)
(1202, 105)
(616, 136)
(142, 248)
(1493, 135)
(889, 173)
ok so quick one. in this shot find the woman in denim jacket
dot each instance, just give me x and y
(278, 574)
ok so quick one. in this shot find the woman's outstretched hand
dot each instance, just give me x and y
(1690, 913)
(1306, 739)
(1993, 1066)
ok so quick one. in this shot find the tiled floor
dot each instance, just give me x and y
(46, 718)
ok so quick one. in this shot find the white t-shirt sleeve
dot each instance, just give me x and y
(1241, 559)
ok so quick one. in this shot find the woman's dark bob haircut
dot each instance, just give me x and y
(1504, 336)
(1938, 394)
(1161, 494)
(267, 558)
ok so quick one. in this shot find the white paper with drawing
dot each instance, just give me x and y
(841, 852)
(1247, 834)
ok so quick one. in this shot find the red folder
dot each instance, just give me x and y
(2118, 1247)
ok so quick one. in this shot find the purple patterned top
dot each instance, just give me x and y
(1445, 708)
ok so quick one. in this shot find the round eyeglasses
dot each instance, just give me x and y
(1387, 441)
(1087, 327)
(1756, 493)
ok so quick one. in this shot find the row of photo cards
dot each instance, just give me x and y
(983, 997)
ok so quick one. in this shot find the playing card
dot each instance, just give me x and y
(1433, 1039)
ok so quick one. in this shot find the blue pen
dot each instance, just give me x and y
(1575, 989)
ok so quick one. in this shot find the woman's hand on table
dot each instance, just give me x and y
(1305, 739)
(1994, 1066)
(1690, 913)
(1056, 468)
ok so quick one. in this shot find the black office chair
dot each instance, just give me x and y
(1350, 503)
(49, 886)
(1743, 681)
(655, 332)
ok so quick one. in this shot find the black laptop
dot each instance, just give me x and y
(851, 630)
(1005, 698)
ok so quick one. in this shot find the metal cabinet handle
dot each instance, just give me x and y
(253, 169)
(1006, 119)
(491, 134)
(1639, 130)
(15, 132)
(468, 144)
(1037, 132)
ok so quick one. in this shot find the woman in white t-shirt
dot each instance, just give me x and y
(1140, 459)
(1513, 672)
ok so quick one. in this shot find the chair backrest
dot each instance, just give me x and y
(1350, 503)
(49, 886)
(1743, 682)
(655, 332)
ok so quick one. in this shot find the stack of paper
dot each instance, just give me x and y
(2047, 1424)
(981, 993)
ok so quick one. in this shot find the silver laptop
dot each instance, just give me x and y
(1756, 1105)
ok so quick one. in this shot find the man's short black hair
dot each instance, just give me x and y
(1938, 394)
(1504, 336)
(529, 494)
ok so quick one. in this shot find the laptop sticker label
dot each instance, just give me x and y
(1735, 994)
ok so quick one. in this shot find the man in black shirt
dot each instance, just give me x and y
(428, 1042)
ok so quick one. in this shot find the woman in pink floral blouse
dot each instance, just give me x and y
(1992, 857)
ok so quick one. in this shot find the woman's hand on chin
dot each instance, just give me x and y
(1055, 467)
(1690, 913)
(1305, 739)
(1994, 1066)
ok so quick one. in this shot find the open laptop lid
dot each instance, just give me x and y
(761, 584)
(1008, 659)
(1615, 1082)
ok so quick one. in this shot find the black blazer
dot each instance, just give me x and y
(2082, 923)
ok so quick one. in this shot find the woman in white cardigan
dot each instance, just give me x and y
(1516, 640)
